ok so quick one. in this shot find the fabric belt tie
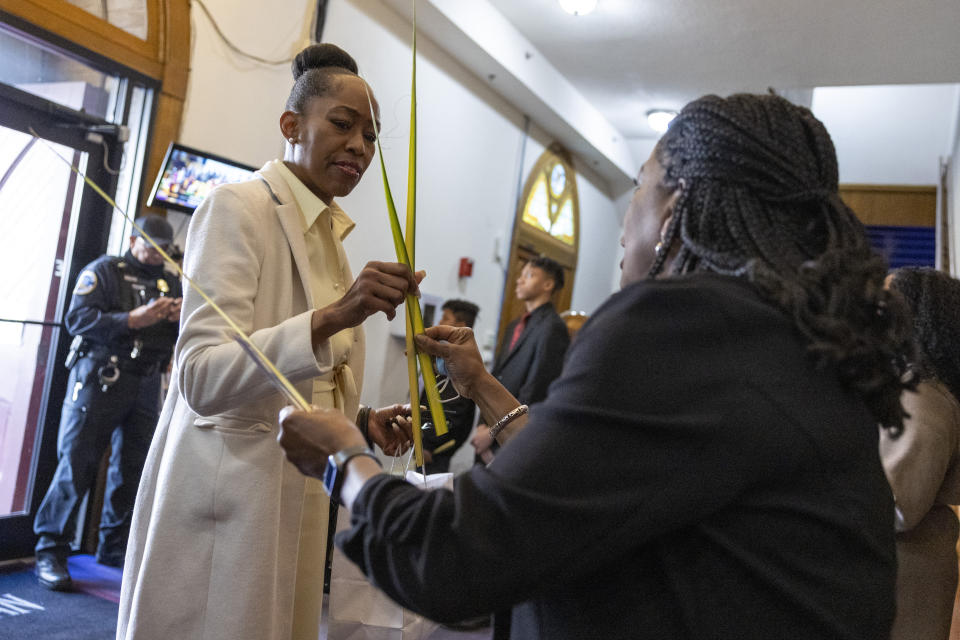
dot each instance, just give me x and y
(342, 384)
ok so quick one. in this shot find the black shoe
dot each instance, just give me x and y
(52, 573)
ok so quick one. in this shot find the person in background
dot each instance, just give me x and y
(228, 540)
(460, 411)
(124, 316)
(706, 465)
(923, 464)
(531, 354)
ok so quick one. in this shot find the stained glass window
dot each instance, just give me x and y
(552, 199)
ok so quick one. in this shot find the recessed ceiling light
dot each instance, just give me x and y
(578, 7)
(659, 119)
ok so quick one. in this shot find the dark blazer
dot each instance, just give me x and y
(537, 358)
(692, 474)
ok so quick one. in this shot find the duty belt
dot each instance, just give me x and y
(124, 363)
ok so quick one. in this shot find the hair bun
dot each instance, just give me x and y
(318, 56)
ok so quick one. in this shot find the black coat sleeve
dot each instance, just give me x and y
(639, 437)
(95, 313)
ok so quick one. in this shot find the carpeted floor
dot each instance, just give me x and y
(30, 612)
(89, 612)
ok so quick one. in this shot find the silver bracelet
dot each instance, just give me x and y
(507, 419)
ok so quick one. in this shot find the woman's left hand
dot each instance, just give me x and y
(309, 437)
(391, 428)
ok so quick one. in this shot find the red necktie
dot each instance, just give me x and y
(518, 330)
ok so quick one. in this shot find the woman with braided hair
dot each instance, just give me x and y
(923, 465)
(706, 465)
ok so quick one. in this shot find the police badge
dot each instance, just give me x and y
(86, 282)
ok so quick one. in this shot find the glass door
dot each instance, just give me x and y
(32, 251)
(51, 226)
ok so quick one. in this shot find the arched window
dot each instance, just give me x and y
(550, 198)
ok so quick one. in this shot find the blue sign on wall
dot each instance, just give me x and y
(905, 246)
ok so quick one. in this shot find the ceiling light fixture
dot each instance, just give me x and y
(578, 7)
(659, 119)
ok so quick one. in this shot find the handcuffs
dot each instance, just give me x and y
(109, 373)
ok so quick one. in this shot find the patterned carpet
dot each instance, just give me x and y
(31, 612)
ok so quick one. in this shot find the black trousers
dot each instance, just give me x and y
(124, 416)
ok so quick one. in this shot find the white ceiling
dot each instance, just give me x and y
(629, 56)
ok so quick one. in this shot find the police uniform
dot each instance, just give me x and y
(113, 397)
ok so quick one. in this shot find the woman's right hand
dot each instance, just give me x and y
(458, 348)
(380, 286)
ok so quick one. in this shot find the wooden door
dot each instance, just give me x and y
(547, 223)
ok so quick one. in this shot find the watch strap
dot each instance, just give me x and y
(334, 473)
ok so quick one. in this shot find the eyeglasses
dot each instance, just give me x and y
(165, 246)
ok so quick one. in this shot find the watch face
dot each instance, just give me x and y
(336, 463)
(330, 477)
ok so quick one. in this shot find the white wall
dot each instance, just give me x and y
(641, 148)
(598, 263)
(888, 134)
(468, 157)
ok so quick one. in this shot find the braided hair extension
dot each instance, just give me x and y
(758, 198)
(934, 299)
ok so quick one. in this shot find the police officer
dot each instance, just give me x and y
(125, 315)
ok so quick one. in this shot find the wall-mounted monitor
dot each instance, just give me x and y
(188, 175)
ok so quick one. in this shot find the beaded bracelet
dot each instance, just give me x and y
(362, 421)
(507, 419)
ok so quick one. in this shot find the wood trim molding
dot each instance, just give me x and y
(175, 47)
(895, 205)
(886, 188)
(94, 34)
(163, 56)
(166, 129)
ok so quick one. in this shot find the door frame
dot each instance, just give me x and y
(23, 111)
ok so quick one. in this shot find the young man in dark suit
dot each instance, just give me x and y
(531, 354)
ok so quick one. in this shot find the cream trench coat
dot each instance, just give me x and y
(219, 522)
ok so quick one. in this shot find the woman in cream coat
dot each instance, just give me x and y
(228, 539)
(923, 464)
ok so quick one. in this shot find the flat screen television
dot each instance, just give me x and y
(188, 175)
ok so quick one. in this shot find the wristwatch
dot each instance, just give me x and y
(336, 466)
